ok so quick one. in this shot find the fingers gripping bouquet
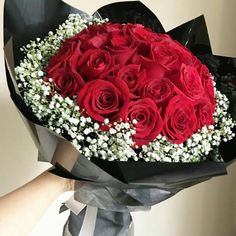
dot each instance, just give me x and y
(129, 111)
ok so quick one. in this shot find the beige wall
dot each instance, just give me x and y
(208, 209)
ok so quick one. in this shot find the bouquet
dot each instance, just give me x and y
(121, 106)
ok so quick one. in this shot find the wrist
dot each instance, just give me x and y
(57, 183)
(68, 185)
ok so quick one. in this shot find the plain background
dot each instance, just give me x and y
(208, 209)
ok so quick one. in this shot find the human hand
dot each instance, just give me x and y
(30, 201)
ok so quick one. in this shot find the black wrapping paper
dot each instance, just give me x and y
(114, 187)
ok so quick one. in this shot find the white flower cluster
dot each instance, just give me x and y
(62, 115)
(111, 145)
(86, 134)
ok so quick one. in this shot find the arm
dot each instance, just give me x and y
(21, 209)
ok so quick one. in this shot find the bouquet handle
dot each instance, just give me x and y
(93, 221)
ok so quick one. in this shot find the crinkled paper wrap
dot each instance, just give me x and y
(111, 190)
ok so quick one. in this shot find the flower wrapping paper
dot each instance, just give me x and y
(114, 188)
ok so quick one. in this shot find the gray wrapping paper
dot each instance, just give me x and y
(101, 222)
(111, 189)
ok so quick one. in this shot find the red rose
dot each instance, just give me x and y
(149, 120)
(114, 28)
(95, 36)
(179, 119)
(60, 59)
(97, 41)
(185, 55)
(209, 90)
(141, 33)
(144, 50)
(153, 69)
(132, 75)
(171, 55)
(93, 64)
(122, 48)
(162, 38)
(66, 82)
(104, 99)
(204, 113)
(189, 82)
(166, 56)
(121, 42)
(159, 90)
(207, 84)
